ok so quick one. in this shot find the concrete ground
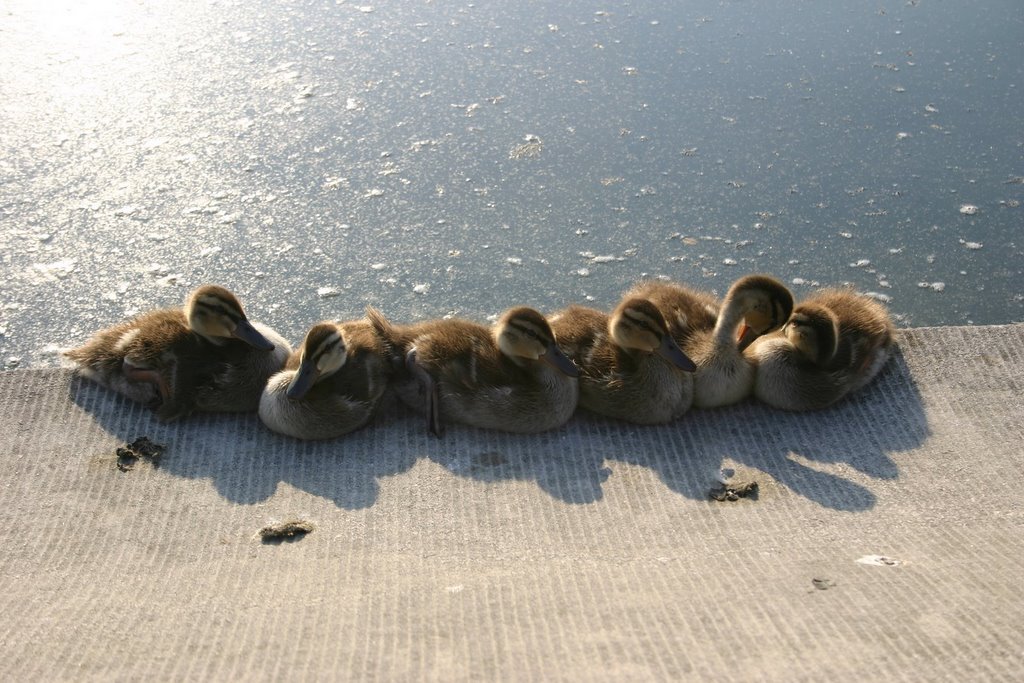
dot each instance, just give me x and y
(884, 543)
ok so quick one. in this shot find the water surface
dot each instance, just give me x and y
(438, 159)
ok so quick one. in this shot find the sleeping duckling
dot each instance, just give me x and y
(205, 357)
(630, 366)
(512, 377)
(330, 386)
(835, 342)
(687, 311)
(753, 306)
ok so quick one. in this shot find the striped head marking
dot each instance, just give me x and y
(324, 345)
(522, 333)
(216, 314)
(638, 324)
(323, 353)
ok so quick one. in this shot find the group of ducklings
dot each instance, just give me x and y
(664, 349)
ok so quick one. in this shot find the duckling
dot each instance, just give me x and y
(835, 343)
(512, 377)
(207, 356)
(331, 385)
(753, 306)
(630, 366)
(685, 310)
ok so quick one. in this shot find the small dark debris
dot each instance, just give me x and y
(823, 584)
(142, 447)
(291, 530)
(734, 491)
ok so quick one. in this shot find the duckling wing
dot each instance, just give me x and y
(363, 377)
(193, 376)
(142, 341)
(473, 362)
(786, 379)
(582, 334)
(160, 335)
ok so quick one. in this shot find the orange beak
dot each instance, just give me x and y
(746, 337)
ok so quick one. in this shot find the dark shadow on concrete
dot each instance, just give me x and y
(562, 462)
(572, 463)
(861, 431)
(246, 462)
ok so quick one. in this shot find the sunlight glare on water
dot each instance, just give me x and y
(439, 159)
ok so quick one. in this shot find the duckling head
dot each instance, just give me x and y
(323, 353)
(764, 303)
(638, 324)
(216, 314)
(523, 334)
(814, 331)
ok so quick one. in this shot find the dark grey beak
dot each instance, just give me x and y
(558, 360)
(304, 380)
(670, 351)
(247, 333)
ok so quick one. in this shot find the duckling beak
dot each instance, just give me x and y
(670, 351)
(558, 360)
(746, 337)
(303, 381)
(249, 334)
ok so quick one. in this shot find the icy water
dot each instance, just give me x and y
(436, 158)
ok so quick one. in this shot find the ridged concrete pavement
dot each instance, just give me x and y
(590, 553)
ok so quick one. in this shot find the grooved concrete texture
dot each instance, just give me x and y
(590, 553)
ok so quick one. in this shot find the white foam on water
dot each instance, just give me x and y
(57, 270)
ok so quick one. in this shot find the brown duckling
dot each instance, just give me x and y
(207, 356)
(687, 311)
(835, 342)
(512, 377)
(753, 306)
(630, 366)
(331, 385)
